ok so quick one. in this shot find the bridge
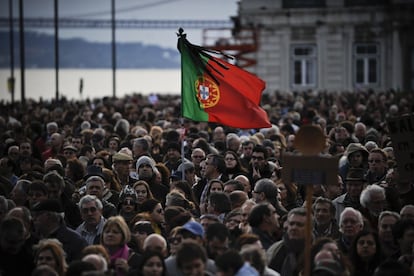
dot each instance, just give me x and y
(119, 23)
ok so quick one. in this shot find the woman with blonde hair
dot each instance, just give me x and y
(50, 252)
(115, 237)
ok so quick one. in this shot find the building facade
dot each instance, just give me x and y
(331, 45)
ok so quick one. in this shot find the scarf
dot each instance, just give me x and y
(122, 253)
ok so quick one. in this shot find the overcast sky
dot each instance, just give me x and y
(129, 9)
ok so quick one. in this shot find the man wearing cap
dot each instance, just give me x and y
(146, 171)
(69, 152)
(48, 224)
(121, 168)
(355, 183)
(192, 230)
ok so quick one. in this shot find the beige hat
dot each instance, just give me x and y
(121, 157)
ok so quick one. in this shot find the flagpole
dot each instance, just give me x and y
(182, 147)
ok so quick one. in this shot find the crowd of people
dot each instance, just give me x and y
(128, 187)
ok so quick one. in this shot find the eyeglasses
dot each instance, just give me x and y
(198, 156)
(159, 211)
(258, 158)
(87, 210)
(374, 160)
(236, 221)
(145, 165)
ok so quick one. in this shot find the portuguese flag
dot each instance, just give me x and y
(213, 90)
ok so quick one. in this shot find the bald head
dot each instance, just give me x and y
(156, 242)
(97, 260)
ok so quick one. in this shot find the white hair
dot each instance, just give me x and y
(366, 194)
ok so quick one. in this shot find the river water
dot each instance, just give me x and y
(40, 83)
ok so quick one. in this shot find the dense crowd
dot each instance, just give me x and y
(128, 187)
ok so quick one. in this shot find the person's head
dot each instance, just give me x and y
(350, 222)
(264, 217)
(47, 215)
(95, 185)
(145, 167)
(403, 232)
(143, 191)
(197, 155)
(36, 192)
(233, 219)
(386, 221)
(407, 212)
(55, 184)
(207, 219)
(229, 263)
(296, 220)
(265, 190)
(192, 230)
(216, 185)
(215, 166)
(355, 183)
(323, 211)
(50, 252)
(373, 198)
(121, 163)
(247, 148)
(232, 160)
(12, 235)
(259, 157)
(217, 240)
(154, 208)
(19, 192)
(191, 258)
(115, 233)
(218, 203)
(365, 246)
(333, 189)
(152, 263)
(128, 200)
(156, 242)
(245, 181)
(237, 198)
(140, 146)
(246, 209)
(90, 209)
(233, 185)
(356, 154)
(98, 261)
(22, 213)
(377, 161)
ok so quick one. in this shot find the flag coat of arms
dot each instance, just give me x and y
(213, 90)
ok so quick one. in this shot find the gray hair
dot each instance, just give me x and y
(366, 194)
(388, 213)
(94, 178)
(90, 198)
(355, 212)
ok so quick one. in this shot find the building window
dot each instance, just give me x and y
(303, 64)
(353, 3)
(366, 64)
(289, 4)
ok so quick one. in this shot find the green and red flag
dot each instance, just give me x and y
(213, 90)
